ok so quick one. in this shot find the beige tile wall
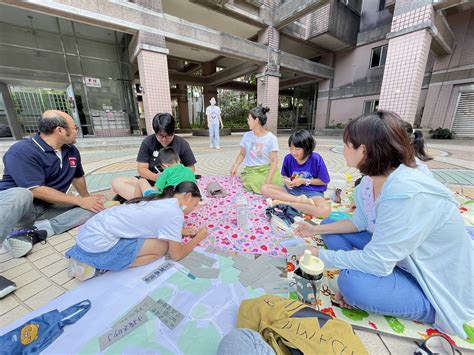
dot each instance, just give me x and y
(153, 68)
(404, 70)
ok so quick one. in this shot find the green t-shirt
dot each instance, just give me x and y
(173, 175)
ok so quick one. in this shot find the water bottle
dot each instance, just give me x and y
(308, 277)
(242, 211)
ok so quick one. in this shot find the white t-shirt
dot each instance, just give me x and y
(258, 149)
(213, 112)
(162, 219)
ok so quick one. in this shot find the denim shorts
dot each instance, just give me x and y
(119, 257)
(297, 191)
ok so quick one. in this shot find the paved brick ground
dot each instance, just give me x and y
(42, 275)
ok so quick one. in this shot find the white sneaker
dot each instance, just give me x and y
(211, 146)
(80, 270)
(218, 148)
(20, 242)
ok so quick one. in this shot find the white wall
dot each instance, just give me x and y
(343, 109)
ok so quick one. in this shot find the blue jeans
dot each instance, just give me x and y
(214, 135)
(296, 191)
(244, 341)
(18, 208)
(397, 295)
(345, 241)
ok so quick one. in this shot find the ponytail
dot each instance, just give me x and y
(418, 143)
(260, 113)
(170, 191)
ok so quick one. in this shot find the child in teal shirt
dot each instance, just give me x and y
(173, 174)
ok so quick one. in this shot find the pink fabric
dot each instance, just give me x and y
(219, 215)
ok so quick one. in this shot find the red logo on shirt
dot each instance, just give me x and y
(72, 162)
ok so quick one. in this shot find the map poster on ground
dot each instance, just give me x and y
(188, 316)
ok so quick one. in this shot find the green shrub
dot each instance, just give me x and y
(339, 125)
(234, 110)
(201, 122)
(442, 133)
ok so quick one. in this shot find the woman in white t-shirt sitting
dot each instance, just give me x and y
(136, 233)
(259, 152)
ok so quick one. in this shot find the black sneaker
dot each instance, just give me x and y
(119, 199)
(6, 286)
(20, 242)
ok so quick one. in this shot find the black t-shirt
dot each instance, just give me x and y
(150, 147)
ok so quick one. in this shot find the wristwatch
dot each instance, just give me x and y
(308, 182)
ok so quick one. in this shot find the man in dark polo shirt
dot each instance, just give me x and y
(148, 162)
(38, 172)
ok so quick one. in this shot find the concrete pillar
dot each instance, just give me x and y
(183, 110)
(150, 52)
(408, 50)
(268, 79)
(10, 110)
(323, 104)
(267, 95)
(153, 70)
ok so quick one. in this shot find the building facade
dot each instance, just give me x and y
(115, 64)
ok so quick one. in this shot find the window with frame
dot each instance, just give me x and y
(371, 106)
(381, 5)
(378, 57)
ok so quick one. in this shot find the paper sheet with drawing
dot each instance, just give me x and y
(199, 265)
(262, 271)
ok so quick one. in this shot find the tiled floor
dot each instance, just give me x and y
(42, 275)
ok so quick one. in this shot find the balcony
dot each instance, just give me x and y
(335, 25)
(443, 37)
(375, 74)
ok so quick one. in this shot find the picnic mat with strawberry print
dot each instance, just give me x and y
(220, 216)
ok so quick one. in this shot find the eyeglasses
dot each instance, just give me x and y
(164, 136)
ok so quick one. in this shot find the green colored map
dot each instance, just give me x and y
(209, 306)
